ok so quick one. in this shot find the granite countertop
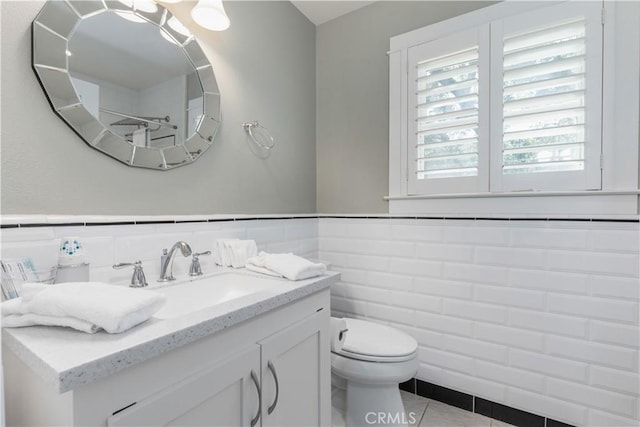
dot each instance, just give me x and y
(66, 358)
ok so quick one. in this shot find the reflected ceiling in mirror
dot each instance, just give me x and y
(133, 84)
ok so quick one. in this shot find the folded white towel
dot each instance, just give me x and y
(31, 319)
(81, 305)
(288, 265)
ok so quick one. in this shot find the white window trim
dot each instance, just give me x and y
(621, 109)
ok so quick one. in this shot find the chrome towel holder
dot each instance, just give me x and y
(259, 135)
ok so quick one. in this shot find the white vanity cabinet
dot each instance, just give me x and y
(216, 380)
(292, 383)
(218, 396)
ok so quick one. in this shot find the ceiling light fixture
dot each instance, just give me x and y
(210, 14)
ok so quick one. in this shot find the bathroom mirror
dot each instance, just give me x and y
(132, 83)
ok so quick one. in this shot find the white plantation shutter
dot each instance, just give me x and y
(446, 139)
(513, 104)
(447, 115)
(546, 99)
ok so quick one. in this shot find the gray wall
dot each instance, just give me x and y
(265, 66)
(352, 95)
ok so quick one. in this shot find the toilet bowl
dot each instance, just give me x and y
(373, 360)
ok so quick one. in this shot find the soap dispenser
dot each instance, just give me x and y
(72, 262)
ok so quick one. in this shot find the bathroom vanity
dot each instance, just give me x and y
(260, 359)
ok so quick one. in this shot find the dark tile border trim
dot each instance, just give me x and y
(445, 395)
(478, 405)
(554, 423)
(409, 386)
(89, 224)
(259, 218)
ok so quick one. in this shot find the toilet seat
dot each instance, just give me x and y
(373, 342)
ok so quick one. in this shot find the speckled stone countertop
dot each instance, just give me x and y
(66, 358)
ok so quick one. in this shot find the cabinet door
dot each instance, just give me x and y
(296, 374)
(224, 394)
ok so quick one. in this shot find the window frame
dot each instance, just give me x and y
(621, 66)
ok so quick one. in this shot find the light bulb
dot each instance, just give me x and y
(210, 14)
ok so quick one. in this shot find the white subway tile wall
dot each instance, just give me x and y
(110, 244)
(538, 315)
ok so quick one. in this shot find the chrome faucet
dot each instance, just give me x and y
(196, 269)
(166, 260)
(138, 280)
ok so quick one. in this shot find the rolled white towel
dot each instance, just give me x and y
(234, 252)
(112, 308)
(338, 333)
(288, 265)
(223, 252)
(240, 251)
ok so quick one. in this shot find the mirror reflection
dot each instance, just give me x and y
(133, 84)
(143, 89)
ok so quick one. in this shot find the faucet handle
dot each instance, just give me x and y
(138, 279)
(195, 269)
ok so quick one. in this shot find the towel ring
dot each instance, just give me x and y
(259, 135)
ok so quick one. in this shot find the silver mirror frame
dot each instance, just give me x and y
(51, 31)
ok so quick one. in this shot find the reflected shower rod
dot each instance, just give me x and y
(152, 120)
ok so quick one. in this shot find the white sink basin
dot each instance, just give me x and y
(185, 298)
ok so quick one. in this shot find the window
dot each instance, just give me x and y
(507, 105)
(547, 99)
(447, 118)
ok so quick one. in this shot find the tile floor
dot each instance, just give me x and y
(431, 413)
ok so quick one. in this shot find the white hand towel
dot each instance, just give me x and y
(262, 270)
(112, 308)
(288, 265)
(31, 319)
(140, 137)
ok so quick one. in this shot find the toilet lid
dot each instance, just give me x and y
(375, 342)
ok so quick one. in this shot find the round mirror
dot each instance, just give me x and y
(133, 83)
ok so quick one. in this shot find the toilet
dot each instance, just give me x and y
(366, 371)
